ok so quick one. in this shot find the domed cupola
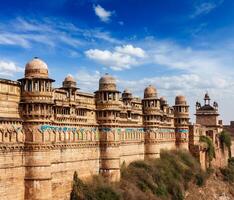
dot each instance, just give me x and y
(107, 83)
(127, 94)
(150, 92)
(36, 68)
(163, 101)
(36, 93)
(69, 82)
(180, 100)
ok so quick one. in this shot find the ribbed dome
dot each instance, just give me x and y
(127, 94)
(36, 68)
(150, 92)
(163, 100)
(107, 82)
(180, 100)
(69, 78)
(69, 82)
(127, 91)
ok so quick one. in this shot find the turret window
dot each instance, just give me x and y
(129, 114)
(36, 86)
(105, 96)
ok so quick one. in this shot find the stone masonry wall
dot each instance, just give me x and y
(12, 175)
(66, 161)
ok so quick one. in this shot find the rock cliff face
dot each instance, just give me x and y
(214, 189)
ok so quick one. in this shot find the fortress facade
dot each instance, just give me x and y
(48, 133)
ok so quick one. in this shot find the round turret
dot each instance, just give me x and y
(36, 68)
(163, 100)
(150, 92)
(69, 82)
(127, 91)
(127, 94)
(180, 100)
(107, 83)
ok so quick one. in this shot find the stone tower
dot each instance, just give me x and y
(127, 97)
(207, 115)
(108, 111)
(36, 110)
(70, 85)
(151, 121)
(181, 117)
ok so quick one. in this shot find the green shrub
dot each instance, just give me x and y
(78, 188)
(161, 190)
(228, 172)
(210, 146)
(231, 162)
(106, 193)
(225, 140)
(200, 179)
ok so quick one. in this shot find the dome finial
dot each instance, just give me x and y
(207, 99)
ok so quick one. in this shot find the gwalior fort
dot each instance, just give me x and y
(47, 133)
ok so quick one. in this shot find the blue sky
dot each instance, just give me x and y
(180, 46)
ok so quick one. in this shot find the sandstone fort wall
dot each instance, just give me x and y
(46, 133)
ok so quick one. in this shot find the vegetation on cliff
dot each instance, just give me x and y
(210, 147)
(228, 171)
(226, 141)
(164, 178)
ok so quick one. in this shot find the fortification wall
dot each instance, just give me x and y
(12, 156)
(11, 173)
(131, 145)
(65, 161)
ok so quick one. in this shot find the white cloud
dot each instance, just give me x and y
(103, 14)
(88, 81)
(13, 39)
(131, 50)
(50, 33)
(123, 57)
(8, 68)
(206, 7)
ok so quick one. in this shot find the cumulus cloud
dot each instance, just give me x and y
(103, 14)
(88, 80)
(8, 68)
(130, 50)
(123, 57)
